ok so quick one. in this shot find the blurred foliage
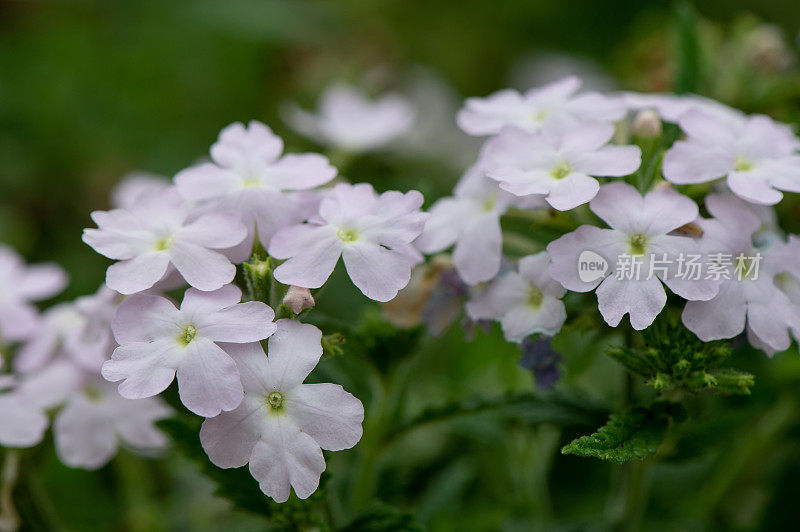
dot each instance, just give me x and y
(456, 438)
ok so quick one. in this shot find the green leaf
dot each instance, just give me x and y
(630, 435)
(237, 485)
(383, 518)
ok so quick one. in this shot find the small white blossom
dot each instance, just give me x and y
(525, 302)
(135, 185)
(20, 285)
(349, 121)
(250, 177)
(93, 423)
(79, 330)
(555, 102)
(639, 228)
(158, 231)
(372, 233)
(282, 425)
(470, 220)
(558, 161)
(758, 156)
(158, 341)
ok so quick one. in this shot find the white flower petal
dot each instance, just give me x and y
(478, 250)
(718, 318)
(228, 439)
(137, 274)
(145, 318)
(378, 272)
(202, 268)
(208, 379)
(146, 369)
(642, 300)
(84, 435)
(327, 413)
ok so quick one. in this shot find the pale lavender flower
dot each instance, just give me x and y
(250, 177)
(470, 220)
(20, 285)
(282, 425)
(748, 296)
(90, 427)
(158, 231)
(538, 107)
(640, 228)
(559, 161)
(370, 232)
(526, 301)
(158, 341)
(758, 156)
(349, 121)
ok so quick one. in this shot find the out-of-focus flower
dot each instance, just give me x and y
(249, 177)
(88, 430)
(134, 185)
(525, 302)
(158, 341)
(639, 228)
(23, 410)
(282, 425)
(558, 161)
(539, 357)
(79, 330)
(20, 285)
(470, 220)
(349, 121)
(753, 298)
(555, 102)
(158, 231)
(671, 107)
(759, 157)
(370, 232)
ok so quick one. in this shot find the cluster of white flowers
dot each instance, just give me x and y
(291, 218)
(189, 236)
(554, 145)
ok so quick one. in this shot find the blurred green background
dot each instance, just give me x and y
(92, 90)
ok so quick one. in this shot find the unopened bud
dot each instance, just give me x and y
(647, 124)
(298, 298)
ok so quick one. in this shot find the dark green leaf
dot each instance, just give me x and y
(629, 435)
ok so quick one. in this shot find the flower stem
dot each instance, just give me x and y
(9, 518)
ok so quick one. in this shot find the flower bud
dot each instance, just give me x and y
(647, 124)
(298, 298)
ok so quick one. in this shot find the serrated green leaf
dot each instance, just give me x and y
(630, 435)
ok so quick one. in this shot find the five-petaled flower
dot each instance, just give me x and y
(158, 341)
(282, 425)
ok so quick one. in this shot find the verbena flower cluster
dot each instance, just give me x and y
(619, 174)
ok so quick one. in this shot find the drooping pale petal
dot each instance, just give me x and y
(719, 318)
(575, 189)
(21, 424)
(228, 439)
(754, 186)
(378, 272)
(312, 266)
(137, 274)
(202, 268)
(478, 250)
(146, 369)
(524, 319)
(641, 299)
(444, 225)
(134, 421)
(286, 456)
(208, 380)
(84, 435)
(327, 413)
